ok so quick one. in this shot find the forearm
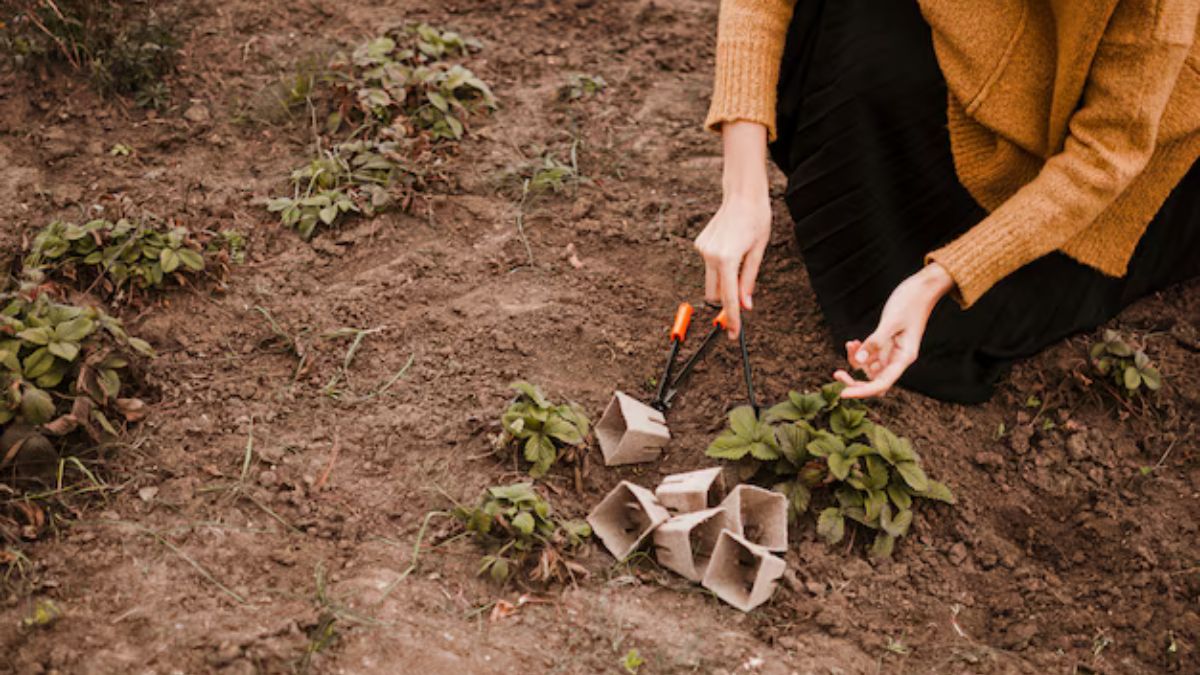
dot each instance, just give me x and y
(745, 166)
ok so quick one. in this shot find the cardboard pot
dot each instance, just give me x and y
(625, 518)
(630, 431)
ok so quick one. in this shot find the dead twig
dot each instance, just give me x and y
(333, 455)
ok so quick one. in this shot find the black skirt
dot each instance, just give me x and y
(872, 189)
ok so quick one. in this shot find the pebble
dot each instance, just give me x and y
(197, 113)
(989, 460)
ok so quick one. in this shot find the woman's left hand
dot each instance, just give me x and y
(893, 347)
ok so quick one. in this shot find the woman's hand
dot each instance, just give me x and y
(894, 345)
(734, 241)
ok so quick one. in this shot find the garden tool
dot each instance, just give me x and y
(667, 393)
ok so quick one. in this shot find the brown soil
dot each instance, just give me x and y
(1063, 555)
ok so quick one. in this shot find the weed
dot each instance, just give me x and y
(819, 440)
(353, 177)
(403, 80)
(116, 257)
(1129, 368)
(126, 47)
(544, 430)
(632, 661)
(44, 614)
(581, 85)
(61, 365)
(515, 526)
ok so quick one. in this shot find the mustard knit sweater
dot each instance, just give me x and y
(1070, 121)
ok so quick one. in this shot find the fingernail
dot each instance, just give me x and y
(862, 355)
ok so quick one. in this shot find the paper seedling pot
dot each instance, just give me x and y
(741, 573)
(691, 491)
(684, 544)
(759, 515)
(625, 517)
(631, 431)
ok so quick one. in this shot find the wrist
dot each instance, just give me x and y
(744, 175)
(937, 279)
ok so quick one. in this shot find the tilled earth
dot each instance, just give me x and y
(1073, 547)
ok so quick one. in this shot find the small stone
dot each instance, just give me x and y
(1019, 636)
(1077, 447)
(1019, 437)
(989, 460)
(147, 494)
(958, 553)
(815, 587)
(197, 113)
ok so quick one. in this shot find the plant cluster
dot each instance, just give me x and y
(399, 96)
(819, 441)
(516, 527)
(1130, 369)
(62, 366)
(126, 47)
(545, 432)
(118, 256)
(353, 177)
(581, 85)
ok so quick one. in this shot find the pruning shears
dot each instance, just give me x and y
(670, 384)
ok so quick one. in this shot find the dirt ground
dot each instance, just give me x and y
(1073, 548)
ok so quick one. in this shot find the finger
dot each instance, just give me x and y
(878, 345)
(710, 282)
(729, 296)
(878, 386)
(851, 351)
(750, 267)
(845, 378)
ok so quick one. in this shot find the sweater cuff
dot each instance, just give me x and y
(744, 86)
(982, 256)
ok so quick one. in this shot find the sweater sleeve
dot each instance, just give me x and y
(1112, 137)
(750, 39)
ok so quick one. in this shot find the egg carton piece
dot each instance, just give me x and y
(692, 491)
(742, 573)
(630, 431)
(625, 518)
(759, 515)
(685, 543)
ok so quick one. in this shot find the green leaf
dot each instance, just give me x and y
(169, 259)
(728, 446)
(831, 393)
(848, 423)
(328, 214)
(191, 259)
(839, 465)
(831, 525)
(558, 428)
(524, 523)
(74, 330)
(882, 547)
(900, 495)
(141, 346)
(102, 420)
(531, 392)
(791, 439)
(1118, 347)
(877, 473)
(783, 412)
(1151, 378)
(517, 493)
(874, 504)
(38, 363)
(499, 570)
(825, 444)
(36, 336)
(808, 405)
(886, 442)
(110, 382)
(762, 451)
(36, 406)
(898, 525)
(938, 491)
(1132, 378)
(912, 474)
(66, 351)
(743, 422)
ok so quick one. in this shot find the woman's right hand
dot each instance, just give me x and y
(734, 241)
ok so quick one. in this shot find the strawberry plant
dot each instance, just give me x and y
(403, 80)
(353, 177)
(517, 530)
(62, 366)
(116, 257)
(1130, 369)
(817, 441)
(544, 431)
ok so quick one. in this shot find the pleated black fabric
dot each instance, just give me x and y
(872, 189)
